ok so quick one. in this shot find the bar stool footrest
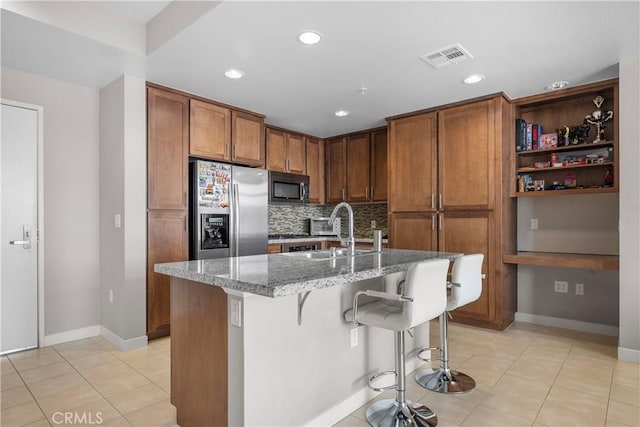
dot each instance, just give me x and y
(381, 374)
(431, 358)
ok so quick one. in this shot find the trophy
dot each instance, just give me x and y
(599, 118)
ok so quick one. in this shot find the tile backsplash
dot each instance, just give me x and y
(294, 219)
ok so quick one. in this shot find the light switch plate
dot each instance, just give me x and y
(534, 223)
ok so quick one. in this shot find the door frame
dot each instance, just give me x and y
(40, 225)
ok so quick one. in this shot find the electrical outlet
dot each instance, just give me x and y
(354, 337)
(110, 295)
(235, 312)
(579, 288)
(562, 287)
(534, 223)
(117, 220)
(373, 223)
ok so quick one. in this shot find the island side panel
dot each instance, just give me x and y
(199, 353)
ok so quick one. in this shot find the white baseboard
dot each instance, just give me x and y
(73, 335)
(122, 344)
(574, 325)
(336, 413)
(629, 354)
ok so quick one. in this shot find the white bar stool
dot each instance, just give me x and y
(424, 298)
(466, 287)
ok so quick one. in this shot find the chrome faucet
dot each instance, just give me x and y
(351, 241)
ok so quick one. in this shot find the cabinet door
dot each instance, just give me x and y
(167, 150)
(412, 163)
(274, 248)
(413, 231)
(315, 170)
(296, 154)
(378, 191)
(276, 150)
(336, 170)
(358, 171)
(247, 135)
(472, 232)
(210, 131)
(167, 241)
(466, 151)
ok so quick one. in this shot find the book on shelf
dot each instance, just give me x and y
(521, 134)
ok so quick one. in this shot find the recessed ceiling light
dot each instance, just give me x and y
(556, 85)
(310, 37)
(473, 78)
(341, 113)
(233, 73)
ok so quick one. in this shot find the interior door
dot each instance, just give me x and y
(19, 250)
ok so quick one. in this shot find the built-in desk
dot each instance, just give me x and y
(555, 259)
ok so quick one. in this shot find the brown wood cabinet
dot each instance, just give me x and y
(210, 131)
(378, 182)
(247, 139)
(315, 169)
(466, 158)
(168, 239)
(274, 248)
(358, 167)
(412, 163)
(336, 170)
(286, 152)
(449, 175)
(413, 231)
(219, 133)
(167, 150)
(167, 186)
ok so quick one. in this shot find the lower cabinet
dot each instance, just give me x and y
(167, 241)
(274, 248)
(413, 231)
(473, 231)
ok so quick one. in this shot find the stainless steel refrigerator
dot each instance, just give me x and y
(228, 210)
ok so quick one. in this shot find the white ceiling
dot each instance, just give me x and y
(519, 46)
(139, 11)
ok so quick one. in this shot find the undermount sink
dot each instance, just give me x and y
(326, 254)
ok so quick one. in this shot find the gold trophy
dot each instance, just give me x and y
(599, 118)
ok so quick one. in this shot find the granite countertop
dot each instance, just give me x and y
(279, 275)
(321, 239)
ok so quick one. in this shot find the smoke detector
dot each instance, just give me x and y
(445, 56)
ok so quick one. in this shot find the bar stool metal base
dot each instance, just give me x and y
(445, 381)
(390, 413)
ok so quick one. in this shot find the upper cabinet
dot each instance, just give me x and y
(210, 131)
(315, 169)
(378, 190)
(466, 156)
(336, 170)
(286, 152)
(219, 133)
(167, 149)
(571, 157)
(413, 163)
(357, 167)
(247, 139)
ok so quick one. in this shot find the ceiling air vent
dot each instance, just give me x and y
(445, 56)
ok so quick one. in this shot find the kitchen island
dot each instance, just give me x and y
(260, 340)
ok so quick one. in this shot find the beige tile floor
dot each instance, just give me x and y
(527, 375)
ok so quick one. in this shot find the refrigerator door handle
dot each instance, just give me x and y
(236, 221)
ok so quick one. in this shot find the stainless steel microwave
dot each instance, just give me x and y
(288, 188)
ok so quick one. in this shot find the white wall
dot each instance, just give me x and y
(629, 342)
(123, 193)
(71, 199)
